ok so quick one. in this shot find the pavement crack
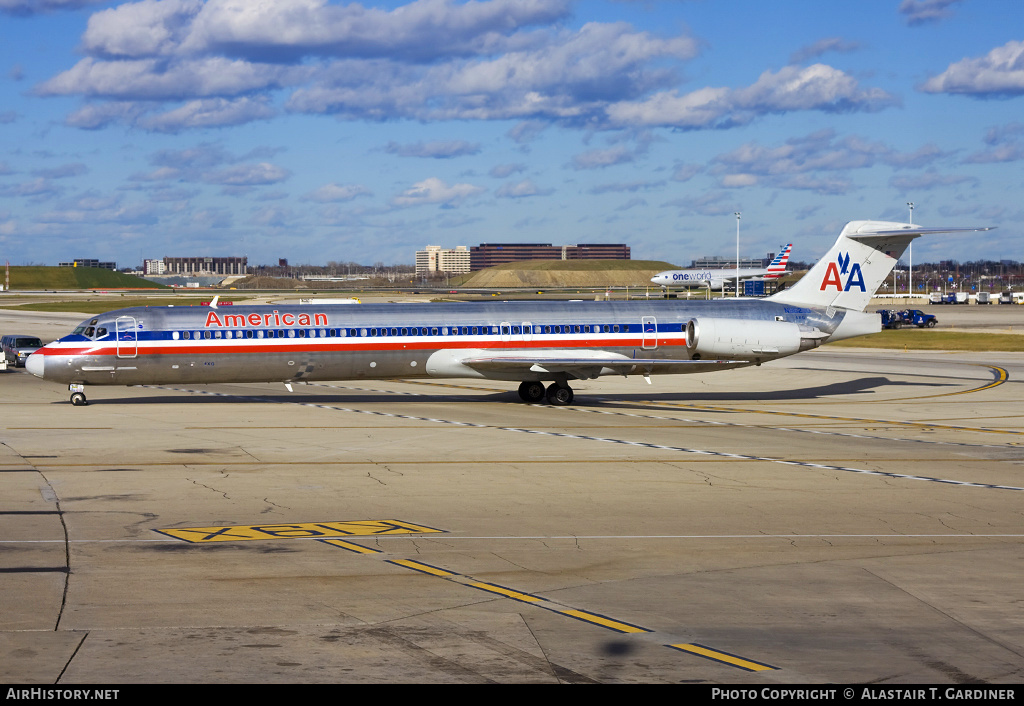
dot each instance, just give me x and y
(208, 487)
(51, 495)
(71, 658)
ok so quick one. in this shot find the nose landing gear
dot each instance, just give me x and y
(78, 395)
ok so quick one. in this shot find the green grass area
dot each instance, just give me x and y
(100, 305)
(932, 340)
(33, 277)
(586, 265)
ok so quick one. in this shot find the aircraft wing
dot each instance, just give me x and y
(592, 367)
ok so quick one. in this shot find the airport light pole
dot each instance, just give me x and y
(737, 214)
(910, 255)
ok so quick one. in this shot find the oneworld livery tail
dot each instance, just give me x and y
(777, 268)
(859, 261)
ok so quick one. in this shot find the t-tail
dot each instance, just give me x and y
(777, 268)
(853, 270)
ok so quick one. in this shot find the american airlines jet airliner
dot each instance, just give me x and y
(542, 344)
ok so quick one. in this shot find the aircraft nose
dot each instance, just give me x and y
(35, 364)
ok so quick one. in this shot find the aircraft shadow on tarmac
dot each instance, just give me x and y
(849, 387)
(592, 397)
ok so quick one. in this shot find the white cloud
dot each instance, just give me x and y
(919, 12)
(998, 73)
(25, 8)
(212, 112)
(288, 31)
(172, 65)
(153, 79)
(823, 46)
(804, 163)
(330, 193)
(502, 171)
(435, 191)
(598, 159)
(792, 88)
(437, 149)
(522, 189)
(140, 29)
(248, 175)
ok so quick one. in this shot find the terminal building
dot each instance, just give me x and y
(491, 254)
(204, 265)
(84, 262)
(726, 263)
(438, 259)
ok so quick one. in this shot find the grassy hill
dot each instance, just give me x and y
(33, 277)
(567, 273)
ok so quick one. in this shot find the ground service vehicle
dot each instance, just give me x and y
(891, 319)
(916, 317)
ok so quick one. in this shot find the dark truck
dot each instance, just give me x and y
(909, 317)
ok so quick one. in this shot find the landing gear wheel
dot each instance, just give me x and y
(559, 395)
(531, 391)
(78, 399)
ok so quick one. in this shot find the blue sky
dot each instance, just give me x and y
(325, 131)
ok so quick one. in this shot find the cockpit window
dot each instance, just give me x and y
(90, 331)
(101, 332)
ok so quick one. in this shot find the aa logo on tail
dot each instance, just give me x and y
(835, 272)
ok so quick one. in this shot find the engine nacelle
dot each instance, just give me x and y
(747, 339)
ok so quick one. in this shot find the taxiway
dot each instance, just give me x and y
(839, 516)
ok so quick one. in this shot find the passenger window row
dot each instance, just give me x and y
(382, 331)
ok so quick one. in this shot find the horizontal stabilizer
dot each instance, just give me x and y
(914, 231)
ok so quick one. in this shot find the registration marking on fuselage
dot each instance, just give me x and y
(302, 530)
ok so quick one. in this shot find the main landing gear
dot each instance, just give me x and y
(78, 395)
(533, 391)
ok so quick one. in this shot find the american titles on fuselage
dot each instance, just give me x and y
(271, 319)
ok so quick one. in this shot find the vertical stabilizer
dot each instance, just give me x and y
(777, 268)
(856, 265)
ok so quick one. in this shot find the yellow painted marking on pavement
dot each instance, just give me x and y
(582, 615)
(420, 566)
(1001, 377)
(351, 546)
(858, 420)
(303, 530)
(507, 592)
(601, 620)
(723, 657)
